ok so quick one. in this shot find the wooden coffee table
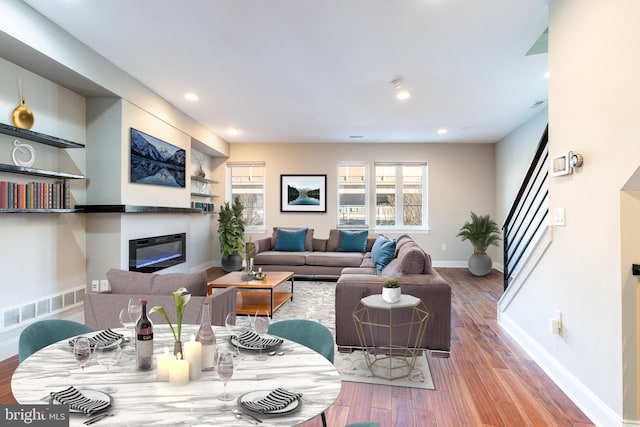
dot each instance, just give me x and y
(252, 298)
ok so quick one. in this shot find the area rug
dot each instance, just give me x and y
(314, 300)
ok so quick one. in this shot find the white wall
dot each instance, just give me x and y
(461, 179)
(32, 263)
(594, 99)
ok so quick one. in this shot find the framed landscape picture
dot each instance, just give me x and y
(156, 162)
(303, 193)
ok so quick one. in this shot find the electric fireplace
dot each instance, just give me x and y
(155, 253)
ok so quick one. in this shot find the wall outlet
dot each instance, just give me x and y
(558, 216)
(444, 246)
(95, 286)
(556, 323)
(104, 285)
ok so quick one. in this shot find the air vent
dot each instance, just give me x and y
(356, 136)
(29, 311)
(537, 104)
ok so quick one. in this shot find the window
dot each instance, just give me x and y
(246, 181)
(401, 195)
(353, 194)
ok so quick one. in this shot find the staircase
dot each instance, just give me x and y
(526, 232)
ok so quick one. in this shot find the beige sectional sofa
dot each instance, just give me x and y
(358, 277)
(102, 309)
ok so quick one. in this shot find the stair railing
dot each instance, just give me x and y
(529, 212)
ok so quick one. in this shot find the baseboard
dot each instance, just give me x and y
(590, 404)
(450, 264)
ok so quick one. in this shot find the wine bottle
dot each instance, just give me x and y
(207, 338)
(144, 339)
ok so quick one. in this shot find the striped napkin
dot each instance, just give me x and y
(250, 339)
(79, 402)
(276, 400)
(102, 338)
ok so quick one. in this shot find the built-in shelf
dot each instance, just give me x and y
(38, 137)
(135, 209)
(38, 172)
(206, 181)
(205, 195)
(45, 211)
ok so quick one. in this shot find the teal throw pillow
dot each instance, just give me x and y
(353, 241)
(382, 252)
(290, 240)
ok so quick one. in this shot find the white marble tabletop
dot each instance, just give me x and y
(140, 399)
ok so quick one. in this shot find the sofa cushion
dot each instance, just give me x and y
(353, 241)
(135, 283)
(382, 252)
(412, 260)
(308, 240)
(280, 258)
(335, 259)
(290, 240)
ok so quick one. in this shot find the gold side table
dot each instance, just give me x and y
(390, 334)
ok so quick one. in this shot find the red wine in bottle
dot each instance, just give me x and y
(144, 339)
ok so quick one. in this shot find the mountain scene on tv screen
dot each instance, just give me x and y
(156, 162)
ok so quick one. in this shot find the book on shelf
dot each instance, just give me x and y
(35, 195)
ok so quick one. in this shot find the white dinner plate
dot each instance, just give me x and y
(252, 396)
(92, 395)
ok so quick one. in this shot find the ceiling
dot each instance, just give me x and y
(320, 71)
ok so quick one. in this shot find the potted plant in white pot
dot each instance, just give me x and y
(482, 232)
(391, 291)
(231, 235)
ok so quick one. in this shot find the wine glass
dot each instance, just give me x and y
(82, 353)
(126, 322)
(225, 368)
(261, 326)
(108, 355)
(133, 309)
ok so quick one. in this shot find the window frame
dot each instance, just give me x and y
(367, 192)
(399, 200)
(249, 229)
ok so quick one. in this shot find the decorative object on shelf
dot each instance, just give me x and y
(199, 172)
(303, 193)
(231, 235)
(181, 299)
(156, 162)
(23, 154)
(22, 115)
(391, 291)
(482, 232)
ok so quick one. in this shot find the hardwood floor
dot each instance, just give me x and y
(487, 381)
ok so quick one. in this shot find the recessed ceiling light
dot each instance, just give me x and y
(443, 131)
(191, 96)
(233, 131)
(546, 75)
(401, 92)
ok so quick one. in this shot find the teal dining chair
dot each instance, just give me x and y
(44, 332)
(308, 333)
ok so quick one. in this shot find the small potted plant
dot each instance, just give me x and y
(391, 291)
(181, 299)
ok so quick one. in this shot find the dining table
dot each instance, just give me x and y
(142, 399)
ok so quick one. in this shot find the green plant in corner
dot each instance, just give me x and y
(231, 228)
(181, 299)
(481, 231)
(391, 283)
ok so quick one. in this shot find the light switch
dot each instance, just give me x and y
(558, 216)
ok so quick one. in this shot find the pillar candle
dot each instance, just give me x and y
(179, 371)
(164, 362)
(193, 355)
